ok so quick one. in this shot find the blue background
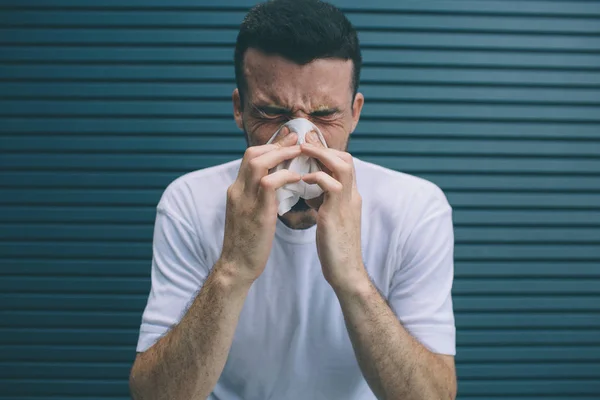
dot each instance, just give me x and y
(102, 104)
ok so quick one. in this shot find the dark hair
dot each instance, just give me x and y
(300, 31)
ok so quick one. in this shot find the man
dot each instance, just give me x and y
(343, 297)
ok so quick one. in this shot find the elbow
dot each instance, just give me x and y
(138, 382)
(452, 393)
(451, 388)
(447, 392)
(447, 381)
(442, 387)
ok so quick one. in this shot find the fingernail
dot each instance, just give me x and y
(291, 138)
(312, 137)
(308, 137)
(281, 135)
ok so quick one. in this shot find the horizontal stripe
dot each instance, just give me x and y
(143, 127)
(92, 370)
(465, 338)
(359, 143)
(168, 54)
(222, 92)
(575, 8)
(160, 180)
(137, 302)
(127, 353)
(151, 197)
(104, 387)
(463, 234)
(199, 109)
(140, 269)
(43, 66)
(139, 284)
(204, 36)
(400, 161)
(558, 24)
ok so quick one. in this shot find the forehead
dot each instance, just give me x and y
(274, 79)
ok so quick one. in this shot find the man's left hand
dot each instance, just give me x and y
(339, 217)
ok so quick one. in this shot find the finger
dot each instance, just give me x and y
(285, 137)
(282, 134)
(347, 157)
(257, 151)
(344, 155)
(270, 183)
(310, 137)
(290, 138)
(278, 179)
(326, 182)
(250, 154)
(340, 169)
(313, 138)
(260, 166)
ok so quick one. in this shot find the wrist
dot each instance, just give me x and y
(356, 294)
(228, 274)
(354, 282)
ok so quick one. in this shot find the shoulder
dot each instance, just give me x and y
(198, 192)
(398, 197)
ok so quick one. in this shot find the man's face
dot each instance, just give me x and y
(279, 90)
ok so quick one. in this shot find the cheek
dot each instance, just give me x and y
(260, 132)
(336, 135)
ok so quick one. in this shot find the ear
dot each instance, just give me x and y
(237, 109)
(359, 101)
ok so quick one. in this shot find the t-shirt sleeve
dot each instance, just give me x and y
(420, 290)
(178, 271)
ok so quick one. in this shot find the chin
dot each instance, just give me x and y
(301, 216)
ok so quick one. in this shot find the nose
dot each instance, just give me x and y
(301, 114)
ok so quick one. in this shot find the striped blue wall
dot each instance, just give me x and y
(103, 103)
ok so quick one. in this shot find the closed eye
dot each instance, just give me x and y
(270, 111)
(324, 113)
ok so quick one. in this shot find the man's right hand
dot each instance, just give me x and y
(186, 362)
(251, 213)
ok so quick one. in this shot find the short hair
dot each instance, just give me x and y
(300, 31)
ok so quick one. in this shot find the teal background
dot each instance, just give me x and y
(103, 103)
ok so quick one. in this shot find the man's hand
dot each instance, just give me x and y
(251, 214)
(395, 365)
(338, 219)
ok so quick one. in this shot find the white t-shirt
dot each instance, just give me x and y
(291, 340)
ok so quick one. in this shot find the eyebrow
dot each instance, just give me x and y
(274, 109)
(324, 111)
(271, 109)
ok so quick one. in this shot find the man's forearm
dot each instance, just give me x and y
(394, 364)
(187, 362)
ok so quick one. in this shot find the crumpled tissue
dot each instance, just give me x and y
(289, 194)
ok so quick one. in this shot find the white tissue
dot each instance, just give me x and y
(289, 194)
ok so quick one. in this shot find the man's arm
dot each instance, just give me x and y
(187, 362)
(395, 365)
